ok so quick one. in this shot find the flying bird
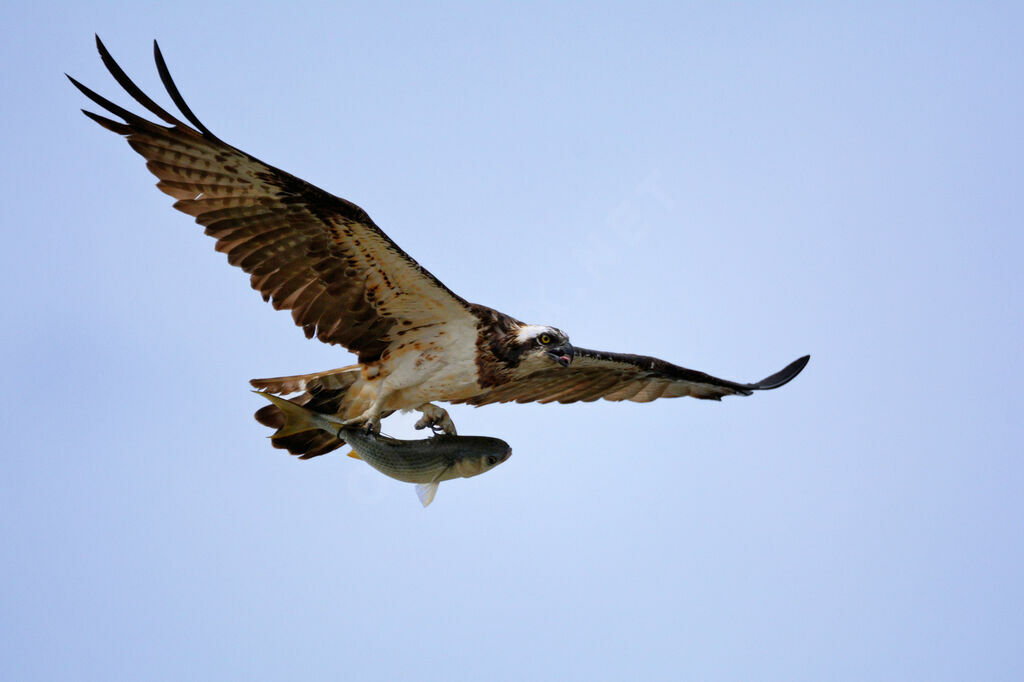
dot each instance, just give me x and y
(347, 283)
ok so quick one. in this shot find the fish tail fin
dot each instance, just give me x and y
(297, 418)
(330, 393)
(426, 492)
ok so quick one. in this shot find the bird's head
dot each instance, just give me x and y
(540, 345)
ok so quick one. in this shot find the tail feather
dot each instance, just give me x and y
(331, 380)
(316, 444)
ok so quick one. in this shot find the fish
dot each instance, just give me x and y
(426, 462)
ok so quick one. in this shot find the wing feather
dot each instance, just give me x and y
(624, 391)
(308, 251)
(619, 376)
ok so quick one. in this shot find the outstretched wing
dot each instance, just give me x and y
(618, 376)
(306, 250)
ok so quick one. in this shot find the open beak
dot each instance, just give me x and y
(563, 355)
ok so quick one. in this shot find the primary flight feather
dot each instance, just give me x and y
(347, 283)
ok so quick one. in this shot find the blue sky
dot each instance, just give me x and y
(724, 186)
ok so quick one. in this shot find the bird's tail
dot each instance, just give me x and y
(297, 420)
(332, 379)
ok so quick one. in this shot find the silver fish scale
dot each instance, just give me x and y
(423, 461)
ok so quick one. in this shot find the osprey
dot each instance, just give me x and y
(347, 283)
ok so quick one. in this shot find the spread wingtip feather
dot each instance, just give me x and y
(783, 376)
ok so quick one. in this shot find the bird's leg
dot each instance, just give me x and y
(436, 418)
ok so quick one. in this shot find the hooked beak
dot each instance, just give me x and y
(563, 355)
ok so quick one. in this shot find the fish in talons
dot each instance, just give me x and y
(426, 462)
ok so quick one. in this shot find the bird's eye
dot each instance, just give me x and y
(491, 460)
(545, 339)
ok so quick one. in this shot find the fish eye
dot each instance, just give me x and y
(545, 339)
(491, 460)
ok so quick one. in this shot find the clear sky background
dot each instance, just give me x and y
(726, 186)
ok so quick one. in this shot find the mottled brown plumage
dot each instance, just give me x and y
(306, 250)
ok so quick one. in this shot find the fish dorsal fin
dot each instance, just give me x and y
(353, 454)
(426, 492)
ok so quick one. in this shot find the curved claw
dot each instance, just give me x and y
(436, 419)
(371, 425)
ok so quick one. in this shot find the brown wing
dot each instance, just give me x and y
(306, 250)
(618, 376)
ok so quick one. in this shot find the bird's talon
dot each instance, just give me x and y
(436, 419)
(370, 426)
